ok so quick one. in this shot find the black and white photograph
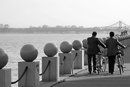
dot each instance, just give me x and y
(64, 43)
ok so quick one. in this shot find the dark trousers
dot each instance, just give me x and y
(111, 63)
(90, 57)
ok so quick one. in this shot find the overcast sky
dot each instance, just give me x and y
(87, 13)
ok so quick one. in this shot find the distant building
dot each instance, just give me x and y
(1, 26)
(4, 26)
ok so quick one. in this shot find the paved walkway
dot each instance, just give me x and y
(83, 79)
(98, 82)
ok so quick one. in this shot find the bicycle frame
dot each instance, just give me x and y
(120, 63)
(100, 65)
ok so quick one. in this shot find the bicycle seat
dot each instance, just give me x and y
(119, 52)
(99, 53)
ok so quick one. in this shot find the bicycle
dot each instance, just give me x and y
(120, 61)
(101, 62)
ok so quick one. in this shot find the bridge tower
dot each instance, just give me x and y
(120, 25)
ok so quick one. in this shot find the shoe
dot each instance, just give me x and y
(111, 73)
(89, 72)
(94, 71)
(108, 73)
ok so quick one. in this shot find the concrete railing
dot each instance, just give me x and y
(52, 67)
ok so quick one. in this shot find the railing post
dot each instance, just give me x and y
(5, 77)
(5, 74)
(77, 59)
(65, 63)
(31, 76)
(52, 72)
(84, 53)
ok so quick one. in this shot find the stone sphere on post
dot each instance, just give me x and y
(28, 53)
(65, 47)
(3, 58)
(84, 43)
(50, 49)
(77, 45)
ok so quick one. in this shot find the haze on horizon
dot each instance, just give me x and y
(87, 13)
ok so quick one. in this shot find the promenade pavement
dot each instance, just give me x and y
(81, 78)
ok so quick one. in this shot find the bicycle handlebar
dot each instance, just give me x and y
(120, 51)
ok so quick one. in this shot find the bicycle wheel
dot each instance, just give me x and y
(120, 69)
(122, 64)
(98, 61)
(119, 64)
(98, 69)
(104, 65)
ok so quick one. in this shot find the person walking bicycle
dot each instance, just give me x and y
(112, 45)
(93, 49)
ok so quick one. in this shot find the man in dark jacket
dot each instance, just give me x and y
(93, 49)
(112, 49)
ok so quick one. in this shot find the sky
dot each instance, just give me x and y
(87, 13)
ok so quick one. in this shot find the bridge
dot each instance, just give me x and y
(118, 25)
